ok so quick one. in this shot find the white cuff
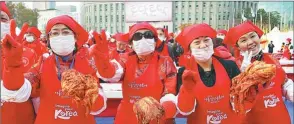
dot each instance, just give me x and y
(46, 55)
(172, 98)
(101, 93)
(21, 95)
(118, 72)
(288, 90)
(185, 113)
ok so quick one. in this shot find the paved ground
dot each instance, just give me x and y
(109, 120)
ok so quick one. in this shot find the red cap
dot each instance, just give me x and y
(35, 31)
(122, 37)
(80, 32)
(236, 32)
(222, 32)
(289, 40)
(4, 8)
(192, 32)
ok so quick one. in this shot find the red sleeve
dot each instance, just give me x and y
(169, 74)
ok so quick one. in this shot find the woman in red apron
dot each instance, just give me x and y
(12, 112)
(66, 38)
(146, 73)
(269, 107)
(205, 93)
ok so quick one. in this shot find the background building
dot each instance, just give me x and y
(44, 5)
(45, 15)
(220, 15)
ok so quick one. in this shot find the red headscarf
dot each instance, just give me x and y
(4, 8)
(35, 31)
(80, 33)
(236, 32)
(222, 32)
(192, 32)
(147, 26)
(122, 37)
(289, 40)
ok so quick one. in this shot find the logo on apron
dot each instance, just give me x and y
(270, 101)
(64, 112)
(137, 86)
(215, 116)
(25, 61)
(214, 99)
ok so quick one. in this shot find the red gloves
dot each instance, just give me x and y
(189, 80)
(100, 53)
(13, 77)
(186, 97)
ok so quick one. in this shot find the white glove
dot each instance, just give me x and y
(288, 90)
(246, 60)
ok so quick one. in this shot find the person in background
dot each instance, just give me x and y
(269, 107)
(32, 41)
(43, 39)
(221, 34)
(11, 112)
(221, 50)
(66, 38)
(286, 53)
(146, 73)
(282, 47)
(271, 47)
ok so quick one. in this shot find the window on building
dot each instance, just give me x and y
(89, 20)
(106, 7)
(183, 19)
(122, 6)
(190, 19)
(228, 17)
(95, 19)
(203, 5)
(95, 9)
(211, 5)
(196, 18)
(210, 18)
(183, 6)
(100, 7)
(176, 19)
(176, 6)
(203, 18)
(224, 17)
(111, 18)
(219, 5)
(190, 5)
(117, 18)
(196, 5)
(111, 8)
(106, 17)
(100, 19)
(123, 18)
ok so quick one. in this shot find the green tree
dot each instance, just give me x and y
(22, 14)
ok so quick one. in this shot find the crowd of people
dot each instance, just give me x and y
(189, 73)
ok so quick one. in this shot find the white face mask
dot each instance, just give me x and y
(63, 45)
(5, 29)
(162, 38)
(30, 39)
(221, 37)
(203, 54)
(144, 46)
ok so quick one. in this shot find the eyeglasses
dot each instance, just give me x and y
(147, 35)
(57, 33)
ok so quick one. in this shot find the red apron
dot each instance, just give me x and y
(213, 103)
(148, 84)
(270, 107)
(56, 108)
(29, 58)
